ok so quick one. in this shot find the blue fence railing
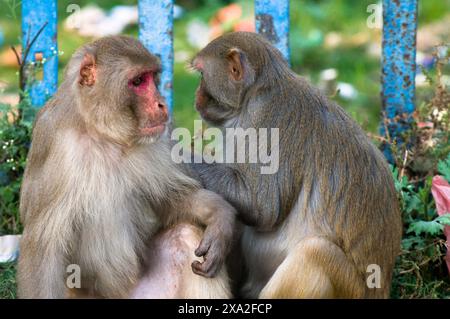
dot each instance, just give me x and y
(272, 20)
(35, 14)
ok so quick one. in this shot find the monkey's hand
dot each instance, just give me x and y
(214, 247)
(219, 217)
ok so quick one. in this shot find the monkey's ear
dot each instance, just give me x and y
(88, 70)
(235, 64)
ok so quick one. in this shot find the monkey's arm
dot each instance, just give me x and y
(231, 185)
(211, 210)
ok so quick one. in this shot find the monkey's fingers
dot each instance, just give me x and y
(198, 268)
(213, 260)
(208, 268)
(203, 248)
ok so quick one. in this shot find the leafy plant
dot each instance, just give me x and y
(15, 134)
(7, 281)
(421, 271)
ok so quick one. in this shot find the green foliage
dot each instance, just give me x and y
(7, 281)
(15, 133)
(433, 227)
(420, 270)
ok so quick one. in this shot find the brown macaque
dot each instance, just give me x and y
(322, 224)
(101, 191)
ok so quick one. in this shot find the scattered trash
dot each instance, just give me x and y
(421, 80)
(333, 39)
(247, 25)
(374, 49)
(94, 22)
(327, 81)
(197, 33)
(425, 60)
(347, 91)
(230, 18)
(329, 85)
(9, 248)
(329, 75)
(9, 98)
(431, 34)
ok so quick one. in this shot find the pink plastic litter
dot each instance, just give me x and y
(440, 189)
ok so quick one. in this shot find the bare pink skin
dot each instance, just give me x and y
(155, 110)
(168, 263)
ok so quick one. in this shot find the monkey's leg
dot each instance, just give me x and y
(168, 268)
(40, 272)
(316, 268)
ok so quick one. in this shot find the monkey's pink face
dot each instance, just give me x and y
(151, 108)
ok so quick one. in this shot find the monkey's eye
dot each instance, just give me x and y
(137, 81)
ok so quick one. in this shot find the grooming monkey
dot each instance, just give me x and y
(312, 228)
(100, 185)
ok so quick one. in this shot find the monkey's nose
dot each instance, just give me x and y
(198, 64)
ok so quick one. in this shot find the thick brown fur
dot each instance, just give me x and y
(96, 190)
(330, 210)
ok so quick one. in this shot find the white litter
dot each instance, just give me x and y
(347, 91)
(9, 248)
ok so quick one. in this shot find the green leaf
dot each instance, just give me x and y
(412, 202)
(421, 226)
(433, 227)
(413, 241)
(444, 219)
(444, 168)
(7, 195)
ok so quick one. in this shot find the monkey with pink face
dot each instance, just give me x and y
(100, 190)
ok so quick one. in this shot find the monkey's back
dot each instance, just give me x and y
(358, 195)
(336, 179)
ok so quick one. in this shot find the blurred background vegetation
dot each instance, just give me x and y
(332, 45)
(324, 35)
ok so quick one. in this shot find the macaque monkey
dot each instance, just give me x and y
(100, 185)
(328, 218)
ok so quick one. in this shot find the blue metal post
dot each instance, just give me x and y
(156, 34)
(398, 64)
(272, 21)
(35, 13)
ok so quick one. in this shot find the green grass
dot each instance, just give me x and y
(7, 280)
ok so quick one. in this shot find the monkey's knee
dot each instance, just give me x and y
(316, 268)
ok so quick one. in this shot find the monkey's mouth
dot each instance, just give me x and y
(154, 129)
